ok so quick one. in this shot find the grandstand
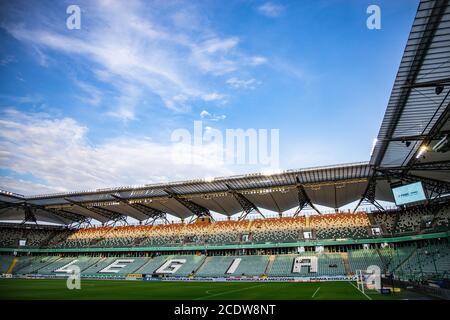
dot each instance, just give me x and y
(42, 235)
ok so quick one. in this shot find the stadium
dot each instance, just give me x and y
(372, 252)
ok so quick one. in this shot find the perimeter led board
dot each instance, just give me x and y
(409, 193)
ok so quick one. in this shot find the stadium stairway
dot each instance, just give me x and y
(11, 266)
(307, 222)
(199, 266)
(383, 260)
(396, 220)
(371, 219)
(47, 240)
(344, 256)
(269, 265)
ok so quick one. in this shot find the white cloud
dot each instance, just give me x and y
(58, 154)
(7, 60)
(257, 60)
(206, 115)
(270, 9)
(93, 95)
(132, 46)
(243, 84)
(213, 96)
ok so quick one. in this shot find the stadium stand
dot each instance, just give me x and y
(276, 230)
(29, 265)
(218, 266)
(362, 259)
(270, 230)
(153, 264)
(5, 262)
(228, 232)
(340, 226)
(329, 264)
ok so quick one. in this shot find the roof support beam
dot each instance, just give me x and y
(108, 214)
(86, 222)
(419, 137)
(30, 210)
(198, 210)
(152, 213)
(426, 166)
(246, 205)
(428, 84)
(369, 195)
(303, 199)
(29, 214)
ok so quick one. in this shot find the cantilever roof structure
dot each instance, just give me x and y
(417, 116)
(332, 186)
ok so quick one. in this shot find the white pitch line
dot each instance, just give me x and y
(231, 291)
(315, 292)
(360, 291)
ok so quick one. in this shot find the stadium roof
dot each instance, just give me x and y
(332, 186)
(417, 116)
(418, 112)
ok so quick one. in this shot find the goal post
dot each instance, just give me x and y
(369, 279)
(360, 280)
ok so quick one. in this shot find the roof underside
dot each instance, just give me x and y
(332, 186)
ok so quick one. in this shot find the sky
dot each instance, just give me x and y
(98, 106)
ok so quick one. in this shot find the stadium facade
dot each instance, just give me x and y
(408, 243)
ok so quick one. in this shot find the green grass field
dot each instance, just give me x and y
(21, 289)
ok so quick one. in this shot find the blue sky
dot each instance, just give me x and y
(95, 107)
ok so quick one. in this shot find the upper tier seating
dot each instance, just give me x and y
(228, 232)
(277, 230)
(340, 226)
(386, 221)
(269, 230)
(414, 219)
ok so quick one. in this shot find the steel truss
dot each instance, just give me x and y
(198, 210)
(152, 213)
(114, 217)
(303, 199)
(30, 212)
(246, 205)
(369, 195)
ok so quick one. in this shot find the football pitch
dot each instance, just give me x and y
(22, 289)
